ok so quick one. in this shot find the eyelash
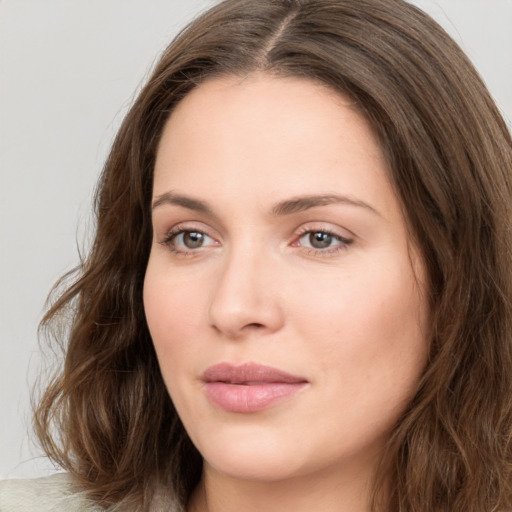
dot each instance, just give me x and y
(341, 246)
(178, 230)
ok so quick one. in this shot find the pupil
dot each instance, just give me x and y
(192, 239)
(320, 240)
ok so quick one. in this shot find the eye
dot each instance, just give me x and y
(323, 241)
(185, 241)
(191, 239)
(318, 239)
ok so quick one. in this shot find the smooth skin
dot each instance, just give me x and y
(279, 240)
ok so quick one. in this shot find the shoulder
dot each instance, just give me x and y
(49, 494)
(58, 493)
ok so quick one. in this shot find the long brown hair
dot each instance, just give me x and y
(450, 161)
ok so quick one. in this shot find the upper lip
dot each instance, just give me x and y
(248, 373)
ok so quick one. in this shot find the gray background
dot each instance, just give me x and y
(68, 72)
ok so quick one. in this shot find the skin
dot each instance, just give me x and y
(350, 317)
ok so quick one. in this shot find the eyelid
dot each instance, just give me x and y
(194, 226)
(325, 227)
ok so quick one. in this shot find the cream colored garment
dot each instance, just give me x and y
(49, 494)
(56, 494)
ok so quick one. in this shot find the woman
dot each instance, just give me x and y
(299, 294)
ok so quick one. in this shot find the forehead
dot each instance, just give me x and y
(262, 134)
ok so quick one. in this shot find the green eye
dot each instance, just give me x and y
(320, 240)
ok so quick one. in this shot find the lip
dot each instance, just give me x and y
(249, 387)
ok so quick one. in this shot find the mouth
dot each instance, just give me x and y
(250, 387)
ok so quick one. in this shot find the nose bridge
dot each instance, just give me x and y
(245, 298)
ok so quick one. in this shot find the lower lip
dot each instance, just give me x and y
(250, 398)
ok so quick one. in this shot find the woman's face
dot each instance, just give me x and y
(283, 294)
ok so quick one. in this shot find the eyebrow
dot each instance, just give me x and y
(283, 208)
(302, 203)
(184, 201)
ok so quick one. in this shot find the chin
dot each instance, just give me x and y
(252, 455)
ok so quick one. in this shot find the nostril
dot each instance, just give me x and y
(254, 326)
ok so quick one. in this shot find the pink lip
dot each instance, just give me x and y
(249, 387)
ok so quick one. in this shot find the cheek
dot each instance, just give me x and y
(172, 312)
(370, 328)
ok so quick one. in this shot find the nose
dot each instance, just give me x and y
(246, 298)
